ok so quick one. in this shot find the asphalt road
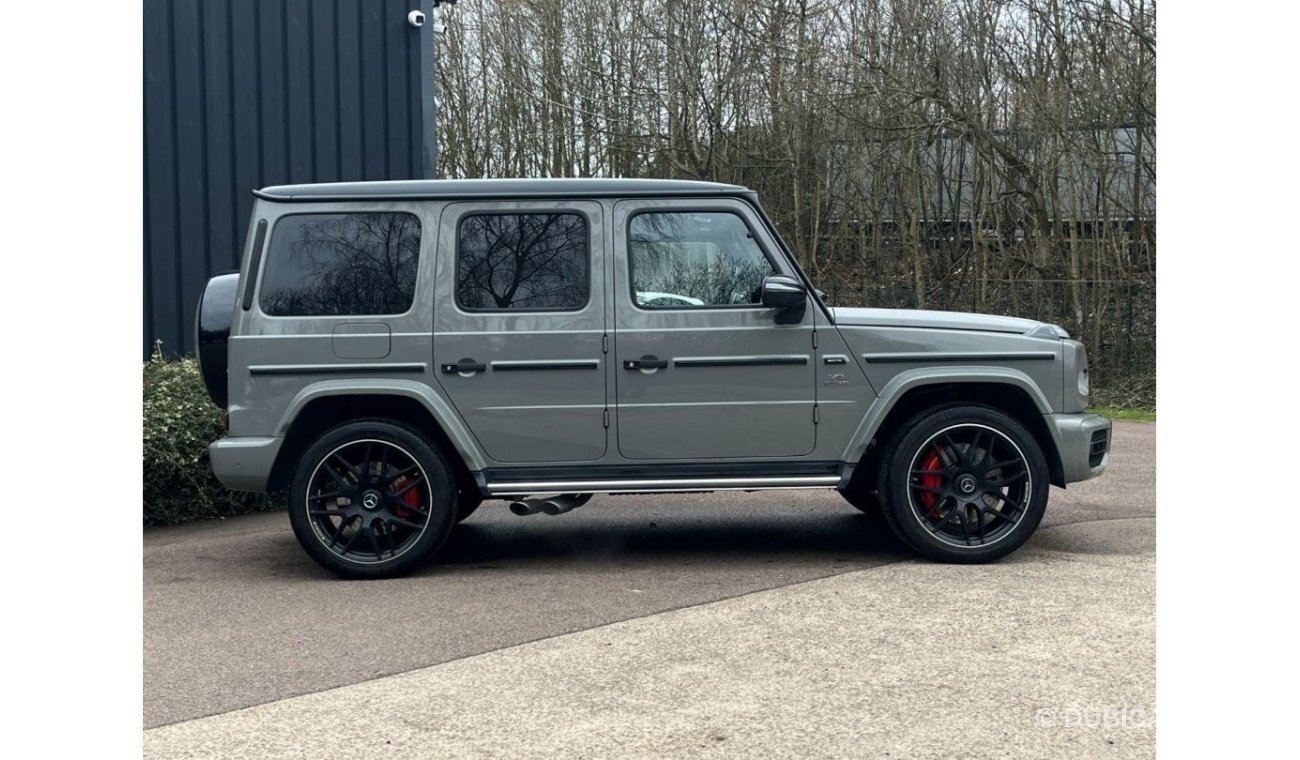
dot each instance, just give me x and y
(236, 615)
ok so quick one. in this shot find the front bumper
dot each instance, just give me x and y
(1083, 441)
(244, 463)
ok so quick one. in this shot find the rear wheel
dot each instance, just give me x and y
(964, 484)
(372, 499)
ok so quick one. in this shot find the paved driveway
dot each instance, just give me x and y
(760, 623)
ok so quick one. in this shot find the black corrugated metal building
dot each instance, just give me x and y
(240, 94)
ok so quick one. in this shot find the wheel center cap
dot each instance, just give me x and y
(966, 484)
(371, 499)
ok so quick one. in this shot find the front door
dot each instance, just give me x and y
(704, 370)
(519, 326)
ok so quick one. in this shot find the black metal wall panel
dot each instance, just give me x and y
(240, 94)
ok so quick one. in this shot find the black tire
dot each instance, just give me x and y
(348, 516)
(964, 483)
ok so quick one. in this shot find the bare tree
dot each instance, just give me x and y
(996, 155)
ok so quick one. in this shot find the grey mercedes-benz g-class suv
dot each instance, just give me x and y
(394, 353)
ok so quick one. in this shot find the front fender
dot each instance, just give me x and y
(906, 381)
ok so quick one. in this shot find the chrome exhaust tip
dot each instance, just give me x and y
(551, 505)
(526, 507)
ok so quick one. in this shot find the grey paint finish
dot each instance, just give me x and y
(244, 462)
(1073, 435)
(938, 320)
(735, 386)
(522, 416)
(362, 340)
(717, 409)
(934, 349)
(244, 93)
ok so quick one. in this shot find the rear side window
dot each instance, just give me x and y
(341, 264)
(507, 262)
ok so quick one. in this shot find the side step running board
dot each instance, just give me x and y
(507, 488)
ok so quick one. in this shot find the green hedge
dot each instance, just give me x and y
(179, 423)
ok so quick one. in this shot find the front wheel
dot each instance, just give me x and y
(964, 484)
(372, 499)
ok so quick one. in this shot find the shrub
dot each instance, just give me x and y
(179, 423)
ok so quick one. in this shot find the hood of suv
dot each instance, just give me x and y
(939, 320)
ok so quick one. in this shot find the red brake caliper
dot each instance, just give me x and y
(929, 499)
(411, 497)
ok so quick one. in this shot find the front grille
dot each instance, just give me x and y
(1097, 447)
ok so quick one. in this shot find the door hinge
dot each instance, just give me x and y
(817, 414)
(606, 418)
(604, 343)
(814, 334)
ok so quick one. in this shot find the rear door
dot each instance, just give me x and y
(705, 371)
(519, 327)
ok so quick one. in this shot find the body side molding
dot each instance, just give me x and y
(544, 364)
(739, 361)
(337, 369)
(959, 356)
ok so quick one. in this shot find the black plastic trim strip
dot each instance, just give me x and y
(501, 476)
(974, 356)
(254, 263)
(528, 366)
(334, 369)
(757, 361)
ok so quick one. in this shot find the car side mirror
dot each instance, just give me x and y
(786, 294)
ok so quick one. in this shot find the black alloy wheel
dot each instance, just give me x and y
(965, 484)
(372, 499)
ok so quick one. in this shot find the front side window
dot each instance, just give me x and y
(522, 261)
(341, 264)
(694, 258)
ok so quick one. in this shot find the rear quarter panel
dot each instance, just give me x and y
(275, 360)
